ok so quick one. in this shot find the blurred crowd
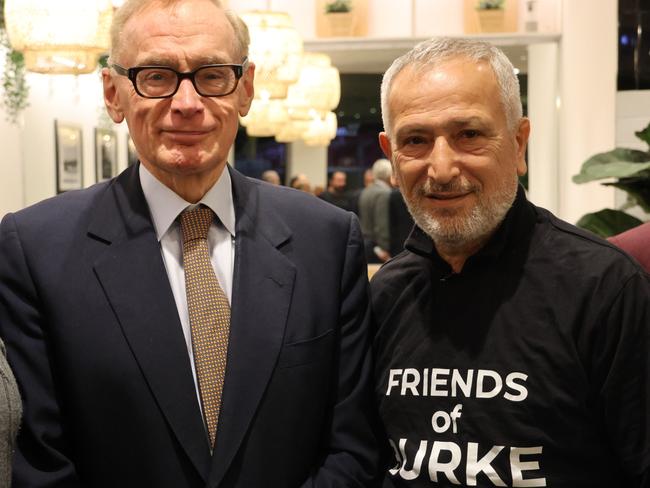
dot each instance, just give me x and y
(385, 220)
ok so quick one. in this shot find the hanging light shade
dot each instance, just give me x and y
(292, 130)
(321, 130)
(59, 36)
(276, 49)
(265, 118)
(318, 87)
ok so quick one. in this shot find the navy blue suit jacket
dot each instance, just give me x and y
(94, 339)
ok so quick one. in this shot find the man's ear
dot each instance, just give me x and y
(246, 91)
(521, 138)
(111, 97)
(387, 149)
(384, 143)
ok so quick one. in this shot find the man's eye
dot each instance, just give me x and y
(213, 76)
(470, 134)
(157, 76)
(414, 140)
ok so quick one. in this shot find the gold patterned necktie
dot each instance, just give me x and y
(209, 313)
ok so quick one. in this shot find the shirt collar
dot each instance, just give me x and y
(514, 230)
(165, 205)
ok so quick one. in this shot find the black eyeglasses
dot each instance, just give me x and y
(211, 80)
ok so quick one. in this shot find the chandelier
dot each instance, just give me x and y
(265, 117)
(294, 91)
(321, 130)
(318, 86)
(276, 49)
(310, 102)
(59, 37)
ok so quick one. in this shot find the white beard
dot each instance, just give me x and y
(451, 229)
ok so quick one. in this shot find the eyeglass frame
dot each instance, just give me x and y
(132, 74)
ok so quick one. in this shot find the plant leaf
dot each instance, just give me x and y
(638, 188)
(644, 134)
(607, 222)
(619, 163)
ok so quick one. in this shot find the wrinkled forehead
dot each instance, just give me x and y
(450, 79)
(182, 30)
(442, 69)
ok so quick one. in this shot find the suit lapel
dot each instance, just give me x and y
(262, 289)
(133, 276)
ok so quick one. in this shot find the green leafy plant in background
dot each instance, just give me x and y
(15, 90)
(338, 6)
(630, 171)
(490, 4)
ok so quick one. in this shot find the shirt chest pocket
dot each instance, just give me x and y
(307, 351)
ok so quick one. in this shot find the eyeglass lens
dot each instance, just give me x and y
(208, 81)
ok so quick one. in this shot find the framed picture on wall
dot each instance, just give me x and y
(105, 154)
(131, 154)
(69, 156)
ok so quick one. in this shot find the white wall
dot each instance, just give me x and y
(11, 161)
(543, 111)
(588, 65)
(632, 115)
(310, 160)
(28, 165)
(72, 99)
(11, 168)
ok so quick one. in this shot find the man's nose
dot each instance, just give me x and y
(443, 162)
(186, 100)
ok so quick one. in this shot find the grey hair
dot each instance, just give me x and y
(382, 169)
(433, 51)
(132, 7)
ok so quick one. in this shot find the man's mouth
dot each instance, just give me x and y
(447, 195)
(185, 136)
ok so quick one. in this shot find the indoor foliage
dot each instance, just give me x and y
(490, 4)
(15, 91)
(338, 6)
(630, 171)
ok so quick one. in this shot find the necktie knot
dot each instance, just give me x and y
(195, 223)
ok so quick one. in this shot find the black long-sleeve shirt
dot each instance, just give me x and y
(531, 367)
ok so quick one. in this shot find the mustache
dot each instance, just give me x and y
(459, 185)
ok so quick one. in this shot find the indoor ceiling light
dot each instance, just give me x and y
(276, 50)
(321, 130)
(62, 36)
(318, 87)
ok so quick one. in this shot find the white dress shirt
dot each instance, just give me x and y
(165, 206)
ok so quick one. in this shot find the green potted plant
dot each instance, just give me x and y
(623, 168)
(490, 5)
(15, 91)
(491, 15)
(340, 15)
(338, 6)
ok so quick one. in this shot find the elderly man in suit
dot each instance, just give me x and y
(636, 242)
(183, 325)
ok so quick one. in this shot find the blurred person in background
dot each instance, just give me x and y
(374, 211)
(336, 193)
(300, 182)
(400, 219)
(271, 176)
